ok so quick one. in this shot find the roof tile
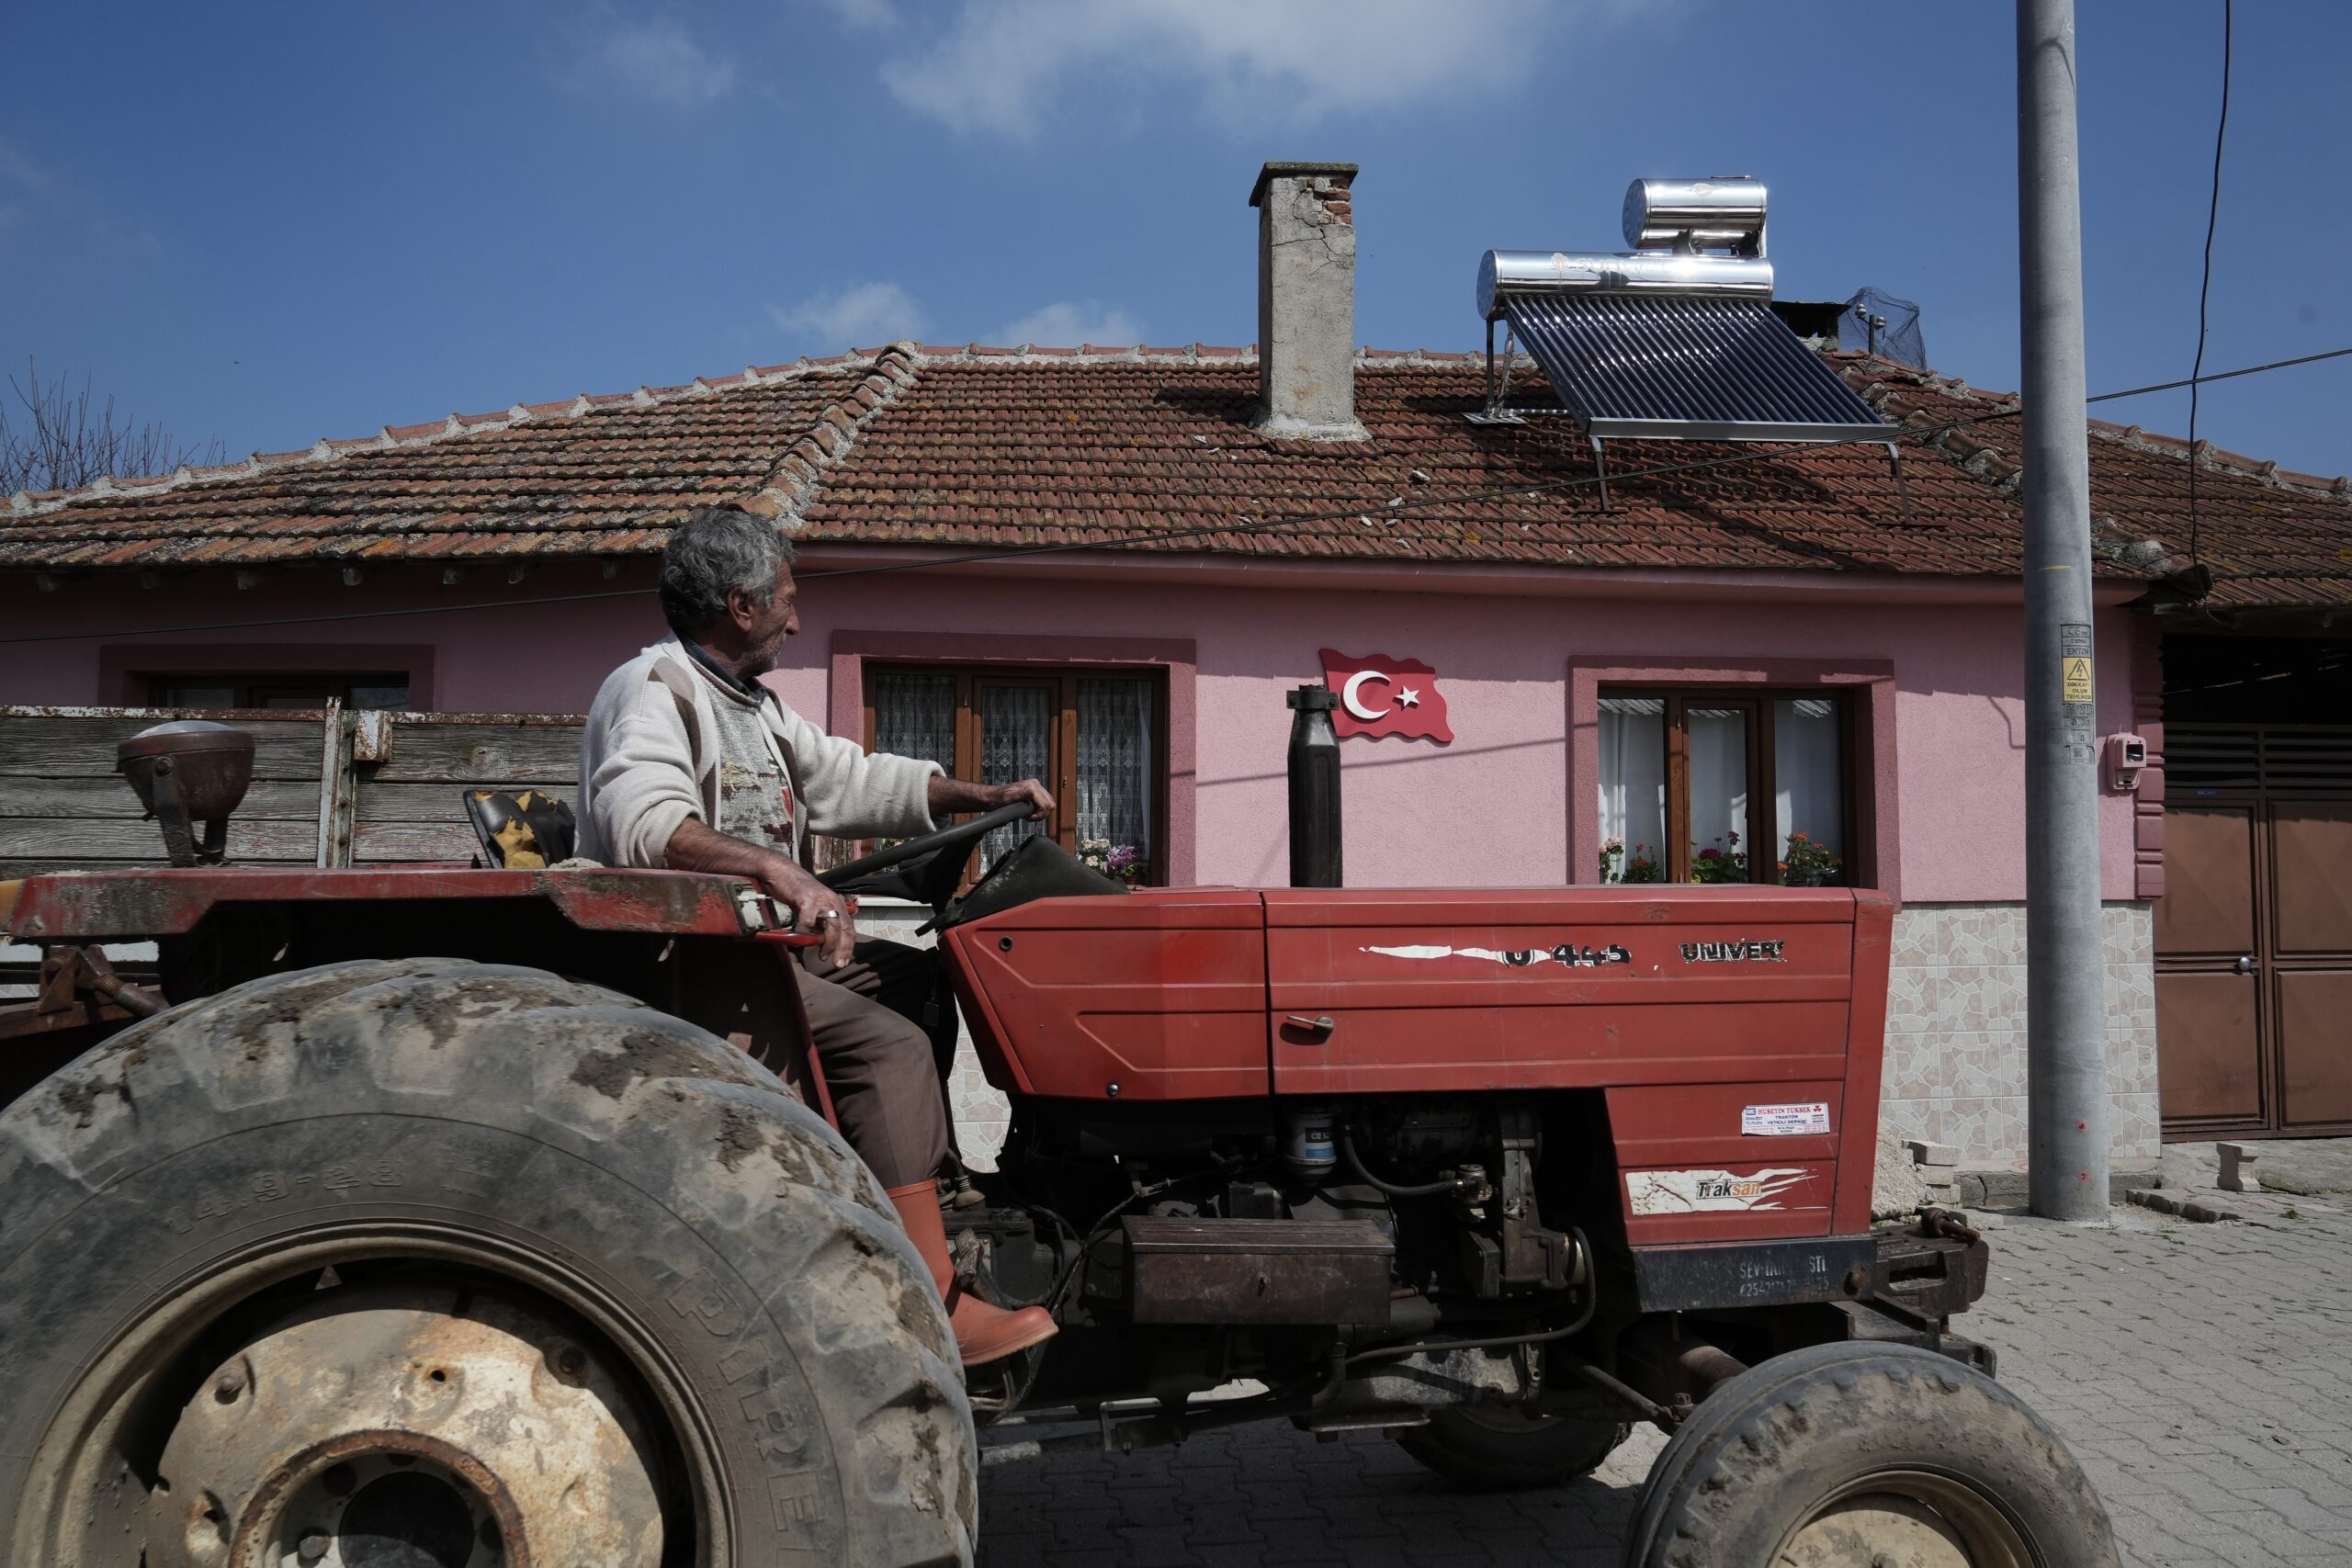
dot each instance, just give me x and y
(975, 447)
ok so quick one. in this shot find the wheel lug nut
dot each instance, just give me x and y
(313, 1546)
(228, 1388)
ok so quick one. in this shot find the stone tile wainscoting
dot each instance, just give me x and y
(1955, 1031)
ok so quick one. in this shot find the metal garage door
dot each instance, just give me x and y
(2254, 934)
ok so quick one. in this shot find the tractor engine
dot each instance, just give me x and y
(1384, 1217)
(1454, 1182)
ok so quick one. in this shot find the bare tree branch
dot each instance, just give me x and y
(56, 441)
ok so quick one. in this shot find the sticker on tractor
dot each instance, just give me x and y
(1733, 951)
(1707, 1192)
(1784, 1121)
(1516, 957)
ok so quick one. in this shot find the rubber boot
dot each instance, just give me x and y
(983, 1333)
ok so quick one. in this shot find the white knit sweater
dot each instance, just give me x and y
(649, 759)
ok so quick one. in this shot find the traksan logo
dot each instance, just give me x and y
(1732, 952)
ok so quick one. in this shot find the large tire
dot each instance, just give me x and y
(1501, 1450)
(606, 1161)
(1864, 1453)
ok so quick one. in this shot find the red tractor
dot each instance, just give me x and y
(487, 1216)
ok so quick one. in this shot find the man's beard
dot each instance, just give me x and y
(763, 660)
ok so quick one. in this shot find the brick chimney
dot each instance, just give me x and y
(1307, 301)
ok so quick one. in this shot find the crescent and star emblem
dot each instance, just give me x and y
(1379, 697)
(1406, 696)
(1355, 703)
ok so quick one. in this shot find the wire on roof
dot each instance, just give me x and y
(2205, 287)
(1758, 454)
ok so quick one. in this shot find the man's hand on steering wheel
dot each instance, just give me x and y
(949, 796)
(814, 907)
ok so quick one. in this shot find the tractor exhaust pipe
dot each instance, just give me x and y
(1313, 788)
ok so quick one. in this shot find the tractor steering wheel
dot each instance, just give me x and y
(925, 869)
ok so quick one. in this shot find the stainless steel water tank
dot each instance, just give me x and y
(1724, 213)
(1503, 273)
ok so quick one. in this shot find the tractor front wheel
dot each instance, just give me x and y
(439, 1262)
(1854, 1455)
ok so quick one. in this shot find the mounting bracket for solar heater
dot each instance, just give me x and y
(1600, 457)
(1495, 410)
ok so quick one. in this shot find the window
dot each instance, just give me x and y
(1693, 783)
(1094, 737)
(304, 690)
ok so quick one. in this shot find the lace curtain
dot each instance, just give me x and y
(1016, 732)
(1114, 763)
(914, 716)
(1633, 786)
(1808, 779)
(1718, 754)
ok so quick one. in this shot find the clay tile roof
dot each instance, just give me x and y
(978, 446)
(551, 479)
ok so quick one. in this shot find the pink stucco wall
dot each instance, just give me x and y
(1489, 809)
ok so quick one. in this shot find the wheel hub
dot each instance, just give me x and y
(408, 1428)
(1905, 1519)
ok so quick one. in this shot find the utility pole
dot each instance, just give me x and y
(2065, 958)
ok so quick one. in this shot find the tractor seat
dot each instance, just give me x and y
(524, 829)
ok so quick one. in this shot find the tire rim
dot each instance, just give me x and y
(1916, 1518)
(88, 1495)
(402, 1426)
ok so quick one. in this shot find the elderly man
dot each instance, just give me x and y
(690, 763)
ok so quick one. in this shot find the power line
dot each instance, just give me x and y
(2205, 287)
(1761, 453)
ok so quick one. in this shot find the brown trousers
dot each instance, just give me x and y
(872, 1024)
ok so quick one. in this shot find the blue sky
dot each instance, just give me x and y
(317, 219)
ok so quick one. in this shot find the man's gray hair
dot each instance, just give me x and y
(715, 551)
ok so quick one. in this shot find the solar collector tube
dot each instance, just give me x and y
(1709, 369)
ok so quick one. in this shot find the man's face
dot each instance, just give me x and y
(764, 627)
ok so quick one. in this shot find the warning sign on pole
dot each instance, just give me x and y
(2074, 663)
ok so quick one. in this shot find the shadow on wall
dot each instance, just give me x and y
(1434, 754)
(2012, 719)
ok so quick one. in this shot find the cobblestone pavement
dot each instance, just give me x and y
(2202, 1374)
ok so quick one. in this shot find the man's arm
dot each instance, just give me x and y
(948, 796)
(694, 846)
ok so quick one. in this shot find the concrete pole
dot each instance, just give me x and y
(2065, 958)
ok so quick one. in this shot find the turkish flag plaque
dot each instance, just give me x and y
(1379, 695)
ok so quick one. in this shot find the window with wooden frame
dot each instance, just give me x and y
(377, 690)
(1740, 786)
(1095, 736)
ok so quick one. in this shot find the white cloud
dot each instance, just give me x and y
(864, 16)
(999, 61)
(658, 59)
(861, 315)
(1067, 323)
(17, 169)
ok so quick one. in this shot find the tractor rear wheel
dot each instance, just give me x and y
(1502, 1450)
(1853, 1455)
(433, 1262)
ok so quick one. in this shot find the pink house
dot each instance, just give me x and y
(1108, 565)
